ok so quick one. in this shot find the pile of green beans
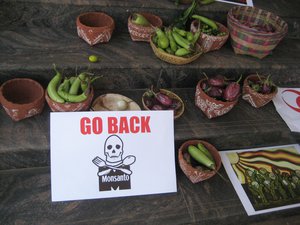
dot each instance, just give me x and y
(176, 41)
(73, 89)
(208, 26)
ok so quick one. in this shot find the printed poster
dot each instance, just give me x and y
(265, 179)
(111, 154)
(238, 2)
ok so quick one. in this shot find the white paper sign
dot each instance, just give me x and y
(287, 104)
(111, 154)
(238, 2)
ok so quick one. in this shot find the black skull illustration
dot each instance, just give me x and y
(113, 149)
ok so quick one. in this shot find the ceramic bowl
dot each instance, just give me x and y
(68, 106)
(95, 27)
(256, 99)
(143, 33)
(110, 102)
(195, 174)
(22, 98)
(209, 42)
(173, 59)
(210, 106)
(177, 113)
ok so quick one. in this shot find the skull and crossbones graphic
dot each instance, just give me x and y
(114, 161)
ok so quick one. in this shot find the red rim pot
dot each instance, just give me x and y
(69, 107)
(210, 42)
(22, 98)
(256, 99)
(143, 33)
(95, 27)
(194, 174)
(210, 106)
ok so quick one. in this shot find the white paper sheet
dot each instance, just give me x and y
(238, 2)
(287, 104)
(137, 154)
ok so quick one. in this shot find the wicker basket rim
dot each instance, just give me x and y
(278, 32)
(196, 55)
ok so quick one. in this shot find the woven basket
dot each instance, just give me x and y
(247, 40)
(178, 113)
(256, 99)
(209, 42)
(143, 33)
(173, 59)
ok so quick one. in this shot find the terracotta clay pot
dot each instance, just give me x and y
(210, 42)
(22, 98)
(143, 33)
(196, 175)
(68, 106)
(210, 106)
(256, 99)
(95, 27)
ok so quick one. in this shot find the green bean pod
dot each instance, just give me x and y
(189, 36)
(173, 44)
(196, 36)
(85, 83)
(207, 21)
(52, 87)
(182, 41)
(170, 51)
(76, 84)
(65, 85)
(200, 157)
(182, 32)
(182, 52)
(202, 148)
(73, 98)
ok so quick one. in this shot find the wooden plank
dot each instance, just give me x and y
(25, 198)
(26, 143)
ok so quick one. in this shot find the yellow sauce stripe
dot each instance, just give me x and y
(270, 151)
(276, 156)
(283, 165)
(239, 174)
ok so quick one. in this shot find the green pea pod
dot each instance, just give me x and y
(72, 79)
(65, 85)
(155, 39)
(202, 148)
(173, 44)
(189, 36)
(85, 83)
(182, 32)
(207, 21)
(201, 157)
(76, 84)
(73, 98)
(181, 41)
(182, 52)
(53, 85)
(196, 36)
(163, 41)
(170, 51)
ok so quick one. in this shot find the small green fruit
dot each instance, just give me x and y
(93, 58)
